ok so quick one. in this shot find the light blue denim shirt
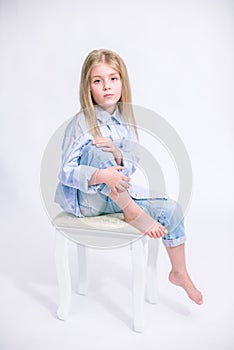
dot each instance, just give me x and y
(77, 135)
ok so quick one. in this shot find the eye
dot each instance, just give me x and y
(96, 81)
(114, 78)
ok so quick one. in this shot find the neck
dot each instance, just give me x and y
(109, 108)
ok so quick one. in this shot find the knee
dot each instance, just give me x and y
(174, 214)
(174, 208)
(96, 157)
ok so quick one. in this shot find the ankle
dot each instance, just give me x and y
(132, 211)
(178, 271)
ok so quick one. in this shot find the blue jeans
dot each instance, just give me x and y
(164, 210)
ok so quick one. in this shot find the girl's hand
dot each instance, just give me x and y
(117, 181)
(108, 146)
(111, 176)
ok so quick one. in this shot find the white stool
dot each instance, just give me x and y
(106, 232)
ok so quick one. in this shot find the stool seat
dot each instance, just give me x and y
(103, 231)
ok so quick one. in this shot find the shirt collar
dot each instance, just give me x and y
(103, 116)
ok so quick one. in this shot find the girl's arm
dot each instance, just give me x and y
(75, 139)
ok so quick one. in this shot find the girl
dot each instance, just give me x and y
(99, 156)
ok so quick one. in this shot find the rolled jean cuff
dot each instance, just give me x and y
(169, 243)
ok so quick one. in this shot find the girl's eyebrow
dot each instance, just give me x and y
(100, 76)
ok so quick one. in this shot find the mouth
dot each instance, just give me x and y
(108, 95)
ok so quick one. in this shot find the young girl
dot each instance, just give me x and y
(99, 157)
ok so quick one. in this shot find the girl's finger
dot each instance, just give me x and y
(125, 178)
(114, 190)
(99, 139)
(122, 186)
(101, 144)
(107, 149)
(119, 167)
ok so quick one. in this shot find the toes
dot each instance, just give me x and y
(157, 231)
(200, 299)
(149, 234)
(161, 231)
(154, 234)
(159, 234)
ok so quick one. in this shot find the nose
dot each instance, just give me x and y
(106, 85)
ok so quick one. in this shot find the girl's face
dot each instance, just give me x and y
(105, 86)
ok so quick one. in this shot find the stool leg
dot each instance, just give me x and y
(82, 266)
(138, 266)
(151, 282)
(63, 275)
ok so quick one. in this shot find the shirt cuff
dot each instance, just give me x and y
(85, 174)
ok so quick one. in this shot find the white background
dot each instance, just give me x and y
(180, 60)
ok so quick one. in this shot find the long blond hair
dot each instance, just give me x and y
(86, 101)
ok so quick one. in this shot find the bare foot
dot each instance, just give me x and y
(145, 223)
(135, 216)
(183, 280)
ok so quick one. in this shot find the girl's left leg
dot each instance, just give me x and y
(169, 214)
(179, 274)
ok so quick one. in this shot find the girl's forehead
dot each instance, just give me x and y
(103, 69)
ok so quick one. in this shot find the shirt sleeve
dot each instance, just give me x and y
(72, 174)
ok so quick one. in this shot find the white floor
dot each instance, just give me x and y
(103, 318)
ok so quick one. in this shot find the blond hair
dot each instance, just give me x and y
(86, 101)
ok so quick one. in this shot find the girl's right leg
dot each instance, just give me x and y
(104, 201)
